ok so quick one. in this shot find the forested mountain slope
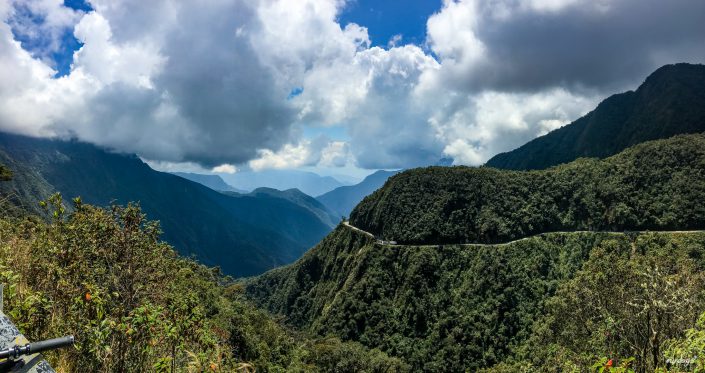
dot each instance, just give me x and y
(243, 234)
(539, 304)
(518, 306)
(134, 305)
(670, 102)
(658, 185)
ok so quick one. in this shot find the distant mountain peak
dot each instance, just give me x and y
(308, 182)
(671, 101)
(214, 182)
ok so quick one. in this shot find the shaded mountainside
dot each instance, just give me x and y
(453, 308)
(214, 182)
(301, 199)
(243, 234)
(658, 185)
(343, 199)
(670, 102)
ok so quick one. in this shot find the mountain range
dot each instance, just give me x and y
(582, 250)
(307, 182)
(242, 234)
(438, 305)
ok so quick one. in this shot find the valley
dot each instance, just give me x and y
(354, 186)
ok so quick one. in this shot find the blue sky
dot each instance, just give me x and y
(37, 44)
(385, 19)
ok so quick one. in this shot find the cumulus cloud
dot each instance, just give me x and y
(225, 169)
(209, 85)
(318, 151)
(492, 122)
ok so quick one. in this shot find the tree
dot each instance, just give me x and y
(5, 173)
(625, 304)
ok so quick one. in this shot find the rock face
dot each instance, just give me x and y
(9, 337)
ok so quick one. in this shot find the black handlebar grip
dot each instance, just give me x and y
(50, 344)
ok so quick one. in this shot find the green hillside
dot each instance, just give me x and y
(243, 234)
(658, 185)
(457, 308)
(5, 173)
(670, 102)
(134, 305)
(563, 300)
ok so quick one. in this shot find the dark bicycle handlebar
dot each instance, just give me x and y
(36, 347)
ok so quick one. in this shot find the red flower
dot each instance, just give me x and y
(88, 296)
(609, 364)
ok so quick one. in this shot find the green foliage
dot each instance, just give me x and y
(655, 186)
(553, 302)
(687, 352)
(133, 304)
(670, 102)
(608, 365)
(626, 301)
(5, 173)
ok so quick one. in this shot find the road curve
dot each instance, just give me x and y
(385, 243)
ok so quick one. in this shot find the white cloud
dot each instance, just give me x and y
(225, 169)
(46, 28)
(133, 63)
(164, 166)
(290, 156)
(319, 151)
(335, 154)
(193, 83)
(494, 122)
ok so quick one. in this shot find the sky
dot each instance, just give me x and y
(340, 87)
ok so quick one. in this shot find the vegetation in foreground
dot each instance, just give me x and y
(134, 305)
